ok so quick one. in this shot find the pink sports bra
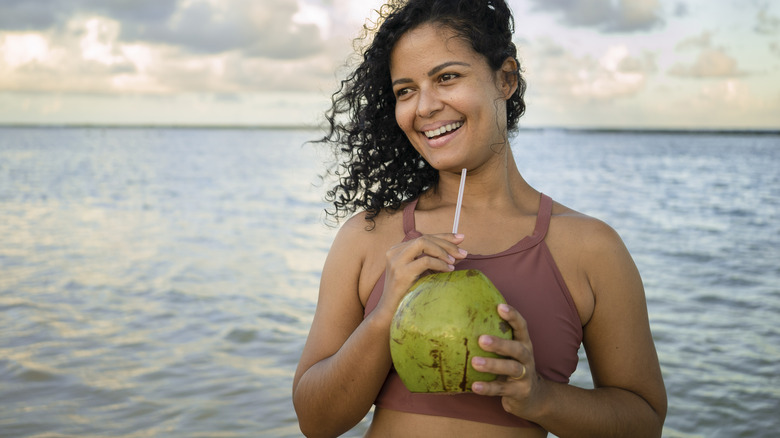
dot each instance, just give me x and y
(530, 281)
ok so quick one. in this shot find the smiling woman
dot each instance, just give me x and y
(447, 96)
(373, 88)
(438, 91)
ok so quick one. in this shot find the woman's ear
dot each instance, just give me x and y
(508, 77)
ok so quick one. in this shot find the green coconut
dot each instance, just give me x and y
(435, 330)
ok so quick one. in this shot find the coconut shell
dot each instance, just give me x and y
(435, 330)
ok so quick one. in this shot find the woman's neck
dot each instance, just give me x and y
(497, 184)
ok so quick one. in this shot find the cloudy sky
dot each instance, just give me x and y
(712, 64)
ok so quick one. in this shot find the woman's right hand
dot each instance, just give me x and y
(407, 261)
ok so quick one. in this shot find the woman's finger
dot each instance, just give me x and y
(516, 321)
(426, 246)
(407, 261)
(444, 246)
(519, 347)
(518, 362)
(510, 368)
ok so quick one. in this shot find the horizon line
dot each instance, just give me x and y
(304, 127)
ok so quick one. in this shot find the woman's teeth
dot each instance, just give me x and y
(443, 129)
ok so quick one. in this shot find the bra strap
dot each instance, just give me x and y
(409, 225)
(543, 217)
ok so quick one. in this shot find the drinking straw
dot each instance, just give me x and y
(460, 201)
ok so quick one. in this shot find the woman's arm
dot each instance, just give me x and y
(346, 358)
(629, 398)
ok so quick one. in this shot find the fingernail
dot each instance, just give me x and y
(459, 236)
(463, 252)
(503, 308)
(451, 267)
(485, 340)
(451, 258)
(478, 361)
(477, 387)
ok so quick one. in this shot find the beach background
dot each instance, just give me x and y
(161, 212)
(161, 282)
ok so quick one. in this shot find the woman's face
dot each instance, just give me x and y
(449, 102)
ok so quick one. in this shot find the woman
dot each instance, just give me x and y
(438, 90)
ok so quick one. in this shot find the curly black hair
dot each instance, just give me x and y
(376, 165)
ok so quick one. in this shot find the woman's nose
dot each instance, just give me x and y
(428, 103)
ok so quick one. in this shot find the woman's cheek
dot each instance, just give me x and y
(402, 117)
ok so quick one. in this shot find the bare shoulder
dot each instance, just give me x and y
(361, 234)
(589, 253)
(388, 230)
(365, 242)
(598, 262)
(351, 232)
(591, 236)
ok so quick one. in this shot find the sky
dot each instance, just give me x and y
(649, 64)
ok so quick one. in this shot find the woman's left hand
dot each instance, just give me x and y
(521, 387)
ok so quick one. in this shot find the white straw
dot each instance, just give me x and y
(460, 201)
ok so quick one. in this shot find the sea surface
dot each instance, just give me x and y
(161, 282)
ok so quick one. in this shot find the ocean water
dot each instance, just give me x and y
(161, 282)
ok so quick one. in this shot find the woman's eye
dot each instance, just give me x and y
(447, 77)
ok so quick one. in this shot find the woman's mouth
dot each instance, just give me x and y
(436, 133)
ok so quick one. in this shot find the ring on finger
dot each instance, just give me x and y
(520, 377)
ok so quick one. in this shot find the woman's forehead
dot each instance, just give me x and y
(429, 44)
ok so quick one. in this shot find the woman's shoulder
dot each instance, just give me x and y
(360, 242)
(591, 256)
(363, 243)
(363, 228)
(587, 232)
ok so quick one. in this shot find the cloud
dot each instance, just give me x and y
(680, 10)
(82, 58)
(268, 29)
(211, 55)
(30, 15)
(702, 41)
(710, 61)
(165, 47)
(774, 47)
(88, 56)
(25, 15)
(617, 74)
(607, 15)
(271, 28)
(554, 74)
(767, 24)
(734, 99)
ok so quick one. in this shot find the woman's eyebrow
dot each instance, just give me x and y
(433, 71)
(441, 67)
